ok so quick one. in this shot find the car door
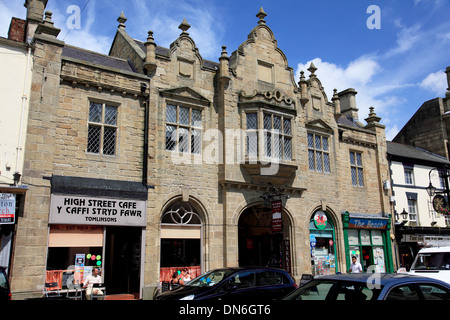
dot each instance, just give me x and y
(272, 285)
(433, 292)
(238, 287)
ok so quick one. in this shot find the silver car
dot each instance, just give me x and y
(372, 286)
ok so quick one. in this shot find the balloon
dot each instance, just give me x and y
(93, 257)
(99, 263)
(88, 256)
(99, 257)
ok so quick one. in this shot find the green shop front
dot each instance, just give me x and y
(367, 237)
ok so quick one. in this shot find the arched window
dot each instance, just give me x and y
(181, 213)
(322, 243)
(181, 235)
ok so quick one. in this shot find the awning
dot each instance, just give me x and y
(98, 187)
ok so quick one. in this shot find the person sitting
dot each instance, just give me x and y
(89, 282)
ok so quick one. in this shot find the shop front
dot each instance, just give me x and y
(411, 239)
(367, 237)
(322, 243)
(96, 223)
(11, 206)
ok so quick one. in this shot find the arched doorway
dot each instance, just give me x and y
(181, 240)
(260, 242)
(323, 244)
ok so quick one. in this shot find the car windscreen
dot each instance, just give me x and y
(336, 290)
(432, 261)
(210, 278)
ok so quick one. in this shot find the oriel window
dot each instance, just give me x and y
(102, 130)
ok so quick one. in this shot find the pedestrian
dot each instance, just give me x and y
(89, 282)
(355, 267)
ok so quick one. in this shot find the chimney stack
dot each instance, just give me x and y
(35, 14)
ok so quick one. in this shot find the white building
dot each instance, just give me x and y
(412, 170)
(16, 65)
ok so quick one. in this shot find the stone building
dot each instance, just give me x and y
(429, 127)
(152, 159)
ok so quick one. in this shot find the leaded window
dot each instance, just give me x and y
(356, 166)
(183, 129)
(102, 129)
(318, 153)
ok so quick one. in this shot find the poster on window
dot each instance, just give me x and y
(7, 208)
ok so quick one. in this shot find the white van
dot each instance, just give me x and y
(433, 262)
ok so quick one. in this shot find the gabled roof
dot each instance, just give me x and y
(402, 152)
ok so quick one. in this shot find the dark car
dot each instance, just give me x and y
(5, 291)
(372, 286)
(235, 284)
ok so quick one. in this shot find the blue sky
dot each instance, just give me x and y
(394, 68)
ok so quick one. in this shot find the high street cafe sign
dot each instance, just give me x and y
(97, 211)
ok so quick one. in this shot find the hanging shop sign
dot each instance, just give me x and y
(97, 211)
(276, 216)
(361, 223)
(320, 220)
(7, 208)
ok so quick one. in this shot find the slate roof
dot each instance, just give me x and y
(165, 52)
(97, 58)
(402, 151)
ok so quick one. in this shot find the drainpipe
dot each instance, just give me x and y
(24, 100)
(146, 131)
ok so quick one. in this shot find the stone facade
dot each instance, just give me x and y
(429, 127)
(215, 172)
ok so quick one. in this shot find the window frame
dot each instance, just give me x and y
(103, 125)
(260, 134)
(320, 151)
(178, 145)
(359, 168)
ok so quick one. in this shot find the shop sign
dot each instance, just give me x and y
(97, 211)
(276, 216)
(7, 208)
(360, 223)
(320, 220)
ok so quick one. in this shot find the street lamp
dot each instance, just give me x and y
(431, 190)
(404, 215)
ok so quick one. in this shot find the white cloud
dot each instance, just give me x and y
(407, 38)
(435, 82)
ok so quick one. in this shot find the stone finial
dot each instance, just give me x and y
(150, 54)
(47, 26)
(261, 15)
(373, 119)
(122, 19)
(337, 103)
(303, 88)
(184, 26)
(312, 68)
(224, 75)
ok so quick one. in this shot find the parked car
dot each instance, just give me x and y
(433, 263)
(5, 291)
(372, 286)
(235, 284)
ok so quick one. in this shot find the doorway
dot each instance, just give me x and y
(123, 252)
(259, 245)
